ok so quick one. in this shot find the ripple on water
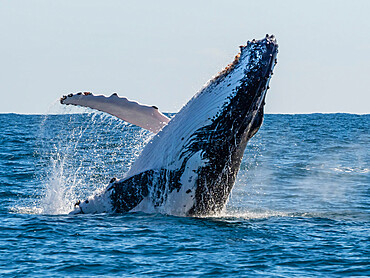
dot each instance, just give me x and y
(300, 206)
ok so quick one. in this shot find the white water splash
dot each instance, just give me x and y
(77, 165)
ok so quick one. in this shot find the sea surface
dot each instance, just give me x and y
(300, 206)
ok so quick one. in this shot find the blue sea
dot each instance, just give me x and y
(300, 206)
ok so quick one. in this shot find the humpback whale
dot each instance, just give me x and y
(190, 165)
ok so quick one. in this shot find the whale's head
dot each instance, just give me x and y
(240, 89)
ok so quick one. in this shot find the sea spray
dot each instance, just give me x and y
(81, 155)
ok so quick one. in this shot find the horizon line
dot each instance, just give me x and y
(283, 113)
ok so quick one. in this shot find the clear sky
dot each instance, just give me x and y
(162, 52)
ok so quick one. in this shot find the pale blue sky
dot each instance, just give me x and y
(162, 52)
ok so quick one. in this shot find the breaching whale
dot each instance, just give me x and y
(189, 167)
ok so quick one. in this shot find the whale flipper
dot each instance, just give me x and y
(145, 116)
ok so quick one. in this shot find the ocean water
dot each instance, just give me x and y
(299, 208)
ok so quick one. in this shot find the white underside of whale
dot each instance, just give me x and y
(164, 150)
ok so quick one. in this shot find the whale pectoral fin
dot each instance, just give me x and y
(147, 117)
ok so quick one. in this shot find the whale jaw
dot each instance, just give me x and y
(190, 166)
